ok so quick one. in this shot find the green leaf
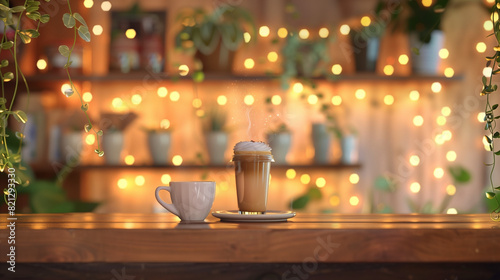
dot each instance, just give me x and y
(4, 8)
(484, 80)
(84, 33)
(300, 202)
(497, 153)
(32, 33)
(20, 116)
(8, 76)
(78, 17)
(488, 139)
(34, 15)
(497, 188)
(88, 127)
(490, 195)
(44, 18)
(4, 63)
(384, 183)
(496, 135)
(415, 50)
(17, 9)
(459, 174)
(68, 20)
(314, 193)
(26, 39)
(64, 50)
(85, 107)
(7, 45)
(99, 133)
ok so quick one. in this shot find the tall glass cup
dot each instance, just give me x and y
(252, 180)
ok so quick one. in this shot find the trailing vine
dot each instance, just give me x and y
(490, 117)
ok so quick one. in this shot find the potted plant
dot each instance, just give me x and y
(113, 141)
(216, 136)
(213, 37)
(280, 140)
(159, 142)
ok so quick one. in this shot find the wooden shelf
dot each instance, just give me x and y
(273, 166)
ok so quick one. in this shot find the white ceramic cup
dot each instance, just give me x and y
(191, 201)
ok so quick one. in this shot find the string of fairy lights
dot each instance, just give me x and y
(119, 104)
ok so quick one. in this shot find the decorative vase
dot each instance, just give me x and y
(366, 51)
(216, 146)
(427, 61)
(159, 146)
(280, 145)
(72, 144)
(219, 61)
(321, 142)
(349, 145)
(112, 144)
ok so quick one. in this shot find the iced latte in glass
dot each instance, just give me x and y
(252, 163)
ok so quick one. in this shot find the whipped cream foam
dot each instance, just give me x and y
(251, 146)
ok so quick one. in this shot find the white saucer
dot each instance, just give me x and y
(268, 216)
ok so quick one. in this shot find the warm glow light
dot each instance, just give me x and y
(354, 178)
(88, 4)
(403, 59)
(247, 37)
(336, 69)
(136, 99)
(291, 173)
(183, 70)
(487, 71)
(414, 95)
(264, 31)
(117, 102)
(90, 139)
(345, 29)
(276, 100)
(334, 200)
(177, 160)
(360, 94)
(426, 3)
(129, 159)
(441, 120)
(439, 139)
(446, 111)
(388, 70)
(486, 144)
(451, 190)
(365, 21)
(451, 211)
(122, 183)
(312, 99)
(222, 100)
(480, 116)
(488, 25)
(389, 99)
(41, 64)
(248, 99)
(272, 56)
(414, 160)
(130, 33)
(165, 179)
(444, 53)
(197, 103)
(97, 29)
(164, 124)
(354, 200)
(438, 173)
(200, 113)
(162, 92)
(451, 156)
(494, 16)
(175, 96)
(304, 34)
(65, 87)
(320, 182)
(305, 179)
(449, 72)
(282, 32)
(415, 187)
(323, 32)
(140, 180)
(336, 100)
(436, 87)
(87, 97)
(481, 47)
(297, 87)
(106, 6)
(447, 135)
(418, 120)
(249, 63)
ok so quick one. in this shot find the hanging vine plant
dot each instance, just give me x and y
(490, 112)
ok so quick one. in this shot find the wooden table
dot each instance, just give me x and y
(309, 246)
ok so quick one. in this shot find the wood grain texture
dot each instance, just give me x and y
(102, 238)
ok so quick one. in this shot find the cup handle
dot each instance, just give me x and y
(169, 207)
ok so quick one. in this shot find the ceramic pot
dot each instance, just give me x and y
(159, 147)
(71, 148)
(427, 62)
(365, 51)
(350, 152)
(112, 144)
(280, 145)
(321, 142)
(216, 145)
(219, 61)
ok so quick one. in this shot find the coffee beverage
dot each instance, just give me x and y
(252, 163)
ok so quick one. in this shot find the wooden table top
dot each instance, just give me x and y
(339, 238)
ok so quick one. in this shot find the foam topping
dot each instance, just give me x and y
(247, 146)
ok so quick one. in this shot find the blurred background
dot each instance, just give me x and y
(358, 122)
